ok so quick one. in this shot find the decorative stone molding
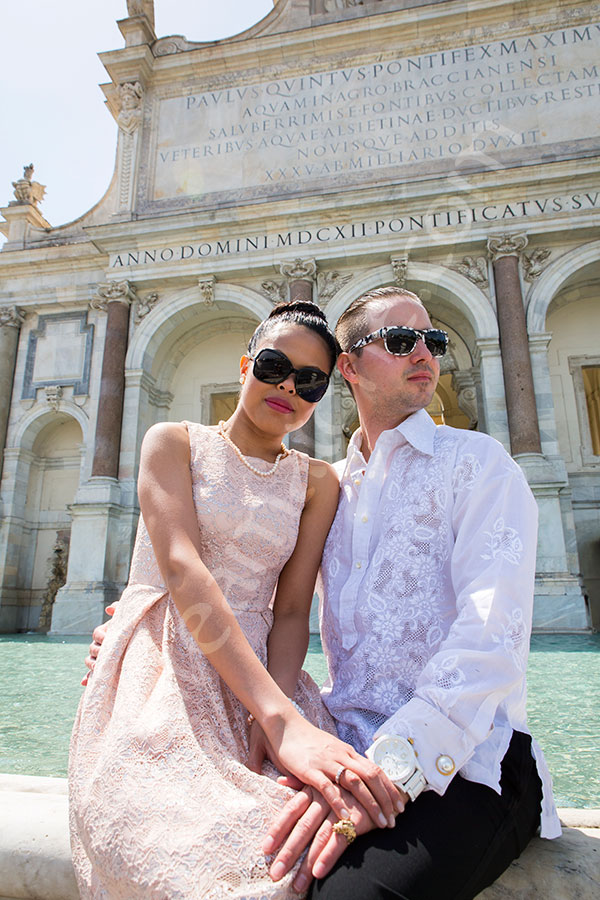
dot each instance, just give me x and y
(12, 316)
(329, 283)
(466, 394)
(474, 268)
(400, 269)
(144, 305)
(299, 269)
(53, 394)
(533, 263)
(141, 8)
(174, 44)
(27, 191)
(130, 96)
(506, 245)
(113, 292)
(333, 5)
(207, 289)
(275, 291)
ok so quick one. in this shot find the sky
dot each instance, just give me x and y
(52, 112)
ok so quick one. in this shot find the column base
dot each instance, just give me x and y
(559, 606)
(79, 608)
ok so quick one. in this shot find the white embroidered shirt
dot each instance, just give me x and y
(427, 596)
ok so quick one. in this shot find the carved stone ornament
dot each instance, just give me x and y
(111, 292)
(332, 5)
(275, 291)
(26, 190)
(144, 305)
(400, 269)
(299, 270)
(141, 8)
(533, 262)
(54, 394)
(506, 245)
(474, 268)
(12, 316)
(329, 283)
(466, 395)
(207, 289)
(176, 43)
(130, 95)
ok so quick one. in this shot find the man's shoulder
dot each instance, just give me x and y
(470, 441)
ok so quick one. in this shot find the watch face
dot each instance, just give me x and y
(396, 757)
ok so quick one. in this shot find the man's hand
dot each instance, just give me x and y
(97, 638)
(306, 820)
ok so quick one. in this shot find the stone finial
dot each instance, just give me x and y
(329, 283)
(207, 289)
(299, 270)
(144, 305)
(111, 292)
(533, 262)
(130, 95)
(473, 268)
(506, 245)
(12, 316)
(26, 190)
(275, 291)
(141, 8)
(54, 394)
(400, 269)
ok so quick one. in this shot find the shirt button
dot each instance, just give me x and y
(357, 481)
(445, 765)
(359, 565)
(365, 518)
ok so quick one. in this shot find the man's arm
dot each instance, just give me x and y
(484, 655)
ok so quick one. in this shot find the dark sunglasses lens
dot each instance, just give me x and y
(271, 367)
(401, 341)
(436, 342)
(311, 384)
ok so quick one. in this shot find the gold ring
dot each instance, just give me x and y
(339, 773)
(345, 827)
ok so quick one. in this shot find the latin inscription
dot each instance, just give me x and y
(487, 103)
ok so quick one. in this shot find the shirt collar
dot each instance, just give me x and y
(418, 429)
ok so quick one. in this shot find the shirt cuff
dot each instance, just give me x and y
(442, 747)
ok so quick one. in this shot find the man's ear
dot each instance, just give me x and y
(346, 367)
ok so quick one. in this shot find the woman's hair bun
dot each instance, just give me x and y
(297, 306)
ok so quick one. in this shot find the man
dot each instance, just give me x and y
(427, 594)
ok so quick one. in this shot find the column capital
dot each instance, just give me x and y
(113, 292)
(299, 269)
(12, 316)
(506, 245)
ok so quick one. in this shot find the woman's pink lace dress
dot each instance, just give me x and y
(162, 805)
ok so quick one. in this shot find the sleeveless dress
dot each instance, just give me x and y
(162, 806)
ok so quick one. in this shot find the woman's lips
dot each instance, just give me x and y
(279, 404)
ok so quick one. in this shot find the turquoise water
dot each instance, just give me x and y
(39, 693)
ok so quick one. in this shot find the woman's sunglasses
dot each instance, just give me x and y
(402, 340)
(273, 367)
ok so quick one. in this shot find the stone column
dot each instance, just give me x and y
(115, 298)
(300, 275)
(514, 344)
(11, 318)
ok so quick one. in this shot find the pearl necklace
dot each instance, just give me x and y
(242, 458)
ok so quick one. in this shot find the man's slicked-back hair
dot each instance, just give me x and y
(353, 324)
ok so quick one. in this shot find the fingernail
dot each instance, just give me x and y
(382, 820)
(345, 814)
(300, 883)
(278, 871)
(399, 806)
(268, 845)
(318, 870)
(392, 821)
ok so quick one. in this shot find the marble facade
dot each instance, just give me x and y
(332, 148)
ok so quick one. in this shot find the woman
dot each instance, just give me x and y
(166, 796)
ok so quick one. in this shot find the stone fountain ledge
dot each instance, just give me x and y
(35, 858)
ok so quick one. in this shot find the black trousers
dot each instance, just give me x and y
(445, 848)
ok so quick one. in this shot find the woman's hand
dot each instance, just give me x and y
(323, 761)
(259, 748)
(97, 638)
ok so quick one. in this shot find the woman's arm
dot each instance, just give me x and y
(166, 501)
(288, 640)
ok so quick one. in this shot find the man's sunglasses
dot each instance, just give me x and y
(273, 367)
(402, 340)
